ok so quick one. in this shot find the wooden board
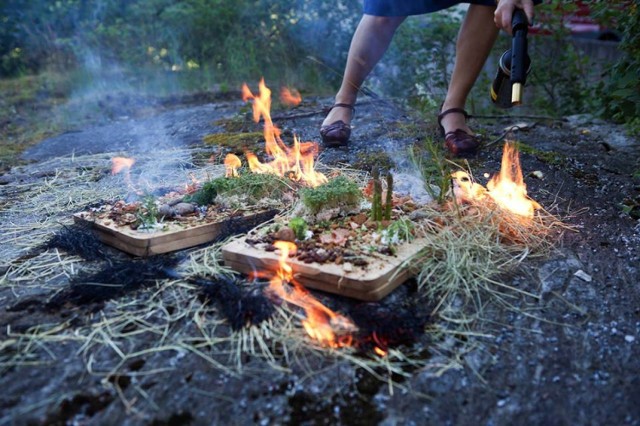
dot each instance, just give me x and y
(145, 244)
(380, 277)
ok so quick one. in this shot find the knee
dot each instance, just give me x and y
(384, 23)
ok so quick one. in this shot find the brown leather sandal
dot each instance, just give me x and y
(337, 133)
(458, 142)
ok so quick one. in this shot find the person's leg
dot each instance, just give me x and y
(475, 40)
(370, 41)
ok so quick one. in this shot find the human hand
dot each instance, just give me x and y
(504, 12)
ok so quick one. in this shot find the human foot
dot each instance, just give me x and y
(336, 128)
(459, 139)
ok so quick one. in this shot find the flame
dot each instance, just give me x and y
(289, 97)
(465, 189)
(508, 189)
(296, 162)
(321, 323)
(119, 164)
(231, 164)
(191, 187)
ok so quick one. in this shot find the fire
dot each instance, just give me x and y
(321, 323)
(297, 162)
(119, 164)
(192, 186)
(232, 163)
(508, 189)
(289, 97)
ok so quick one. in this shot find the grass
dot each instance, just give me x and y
(467, 252)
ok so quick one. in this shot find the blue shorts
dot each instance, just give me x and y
(415, 7)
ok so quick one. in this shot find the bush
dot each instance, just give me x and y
(239, 41)
(619, 92)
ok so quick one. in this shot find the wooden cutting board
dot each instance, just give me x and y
(143, 244)
(380, 277)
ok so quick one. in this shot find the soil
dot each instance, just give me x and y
(572, 357)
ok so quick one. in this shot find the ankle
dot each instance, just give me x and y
(346, 98)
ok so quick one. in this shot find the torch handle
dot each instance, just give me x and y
(519, 56)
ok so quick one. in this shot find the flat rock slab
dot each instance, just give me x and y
(569, 357)
(169, 129)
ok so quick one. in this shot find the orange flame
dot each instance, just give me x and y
(296, 162)
(508, 189)
(321, 323)
(191, 187)
(119, 164)
(290, 97)
(231, 164)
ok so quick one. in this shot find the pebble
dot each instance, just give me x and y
(583, 275)
(182, 209)
(629, 338)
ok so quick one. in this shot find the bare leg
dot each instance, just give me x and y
(475, 40)
(369, 43)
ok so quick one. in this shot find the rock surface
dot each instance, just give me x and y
(572, 358)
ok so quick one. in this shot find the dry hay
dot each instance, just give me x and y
(460, 271)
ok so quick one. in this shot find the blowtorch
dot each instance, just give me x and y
(514, 65)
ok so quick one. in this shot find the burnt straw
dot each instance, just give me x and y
(77, 239)
(387, 326)
(241, 306)
(115, 280)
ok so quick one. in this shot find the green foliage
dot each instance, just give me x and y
(563, 78)
(435, 169)
(338, 192)
(147, 212)
(423, 50)
(388, 204)
(238, 41)
(250, 186)
(401, 229)
(376, 201)
(299, 227)
(619, 92)
(380, 211)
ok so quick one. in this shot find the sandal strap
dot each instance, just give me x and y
(339, 105)
(453, 110)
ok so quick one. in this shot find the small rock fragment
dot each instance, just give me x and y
(583, 275)
(537, 174)
(629, 338)
(182, 209)
(165, 210)
(348, 267)
(286, 234)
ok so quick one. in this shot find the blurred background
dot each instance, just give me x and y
(70, 63)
